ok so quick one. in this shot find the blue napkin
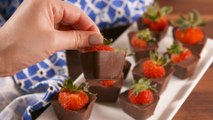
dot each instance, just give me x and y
(32, 88)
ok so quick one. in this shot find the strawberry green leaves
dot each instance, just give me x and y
(192, 19)
(159, 60)
(154, 12)
(69, 85)
(176, 48)
(107, 41)
(146, 35)
(142, 85)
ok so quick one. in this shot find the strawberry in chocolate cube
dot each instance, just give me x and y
(157, 68)
(155, 19)
(183, 59)
(140, 100)
(73, 102)
(107, 90)
(142, 42)
(187, 30)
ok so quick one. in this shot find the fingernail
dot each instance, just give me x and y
(95, 39)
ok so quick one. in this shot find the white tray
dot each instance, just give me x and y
(170, 101)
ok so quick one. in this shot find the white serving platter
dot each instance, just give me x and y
(170, 101)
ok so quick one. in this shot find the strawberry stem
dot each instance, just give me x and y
(176, 48)
(68, 84)
(155, 12)
(157, 59)
(146, 35)
(142, 85)
(192, 19)
(107, 41)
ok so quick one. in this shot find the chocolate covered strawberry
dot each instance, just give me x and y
(178, 52)
(188, 28)
(141, 92)
(73, 97)
(142, 39)
(155, 18)
(154, 66)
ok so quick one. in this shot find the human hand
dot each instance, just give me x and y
(40, 28)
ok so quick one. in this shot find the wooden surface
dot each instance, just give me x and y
(199, 105)
(205, 7)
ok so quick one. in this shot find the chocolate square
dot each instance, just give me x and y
(105, 94)
(126, 69)
(73, 63)
(65, 114)
(158, 35)
(102, 64)
(197, 48)
(138, 112)
(141, 52)
(186, 68)
(161, 82)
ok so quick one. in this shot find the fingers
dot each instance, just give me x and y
(76, 18)
(70, 40)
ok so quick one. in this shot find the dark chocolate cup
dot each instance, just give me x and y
(64, 114)
(158, 35)
(197, 48)
(105, 94)
(161, 82)
(73, 63)
(141, 52)
(126, 69)
(102, 64)
(185, 69)
(138, 112)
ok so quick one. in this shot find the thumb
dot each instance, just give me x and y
(70, 40)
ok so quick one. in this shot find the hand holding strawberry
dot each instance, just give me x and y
(155, 18)
(154, 67)
(141, 92)
(142, 39)
(178, 52)
(73, 97)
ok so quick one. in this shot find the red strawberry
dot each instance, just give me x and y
(138, 42)
(142, 38)
(189, 31)
(179, 34)
(72, 97)
(181, 56)
(193, 35)
(108, 83)
(144, 97)
(155, 18)
(159, 25)
(99, 48)
(152, 70)
(154, 67)
(104, 47)
(140, 92)
(178, 52)
(147, 21)
(75, 100)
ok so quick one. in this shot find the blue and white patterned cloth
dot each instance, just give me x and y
(32, 88)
